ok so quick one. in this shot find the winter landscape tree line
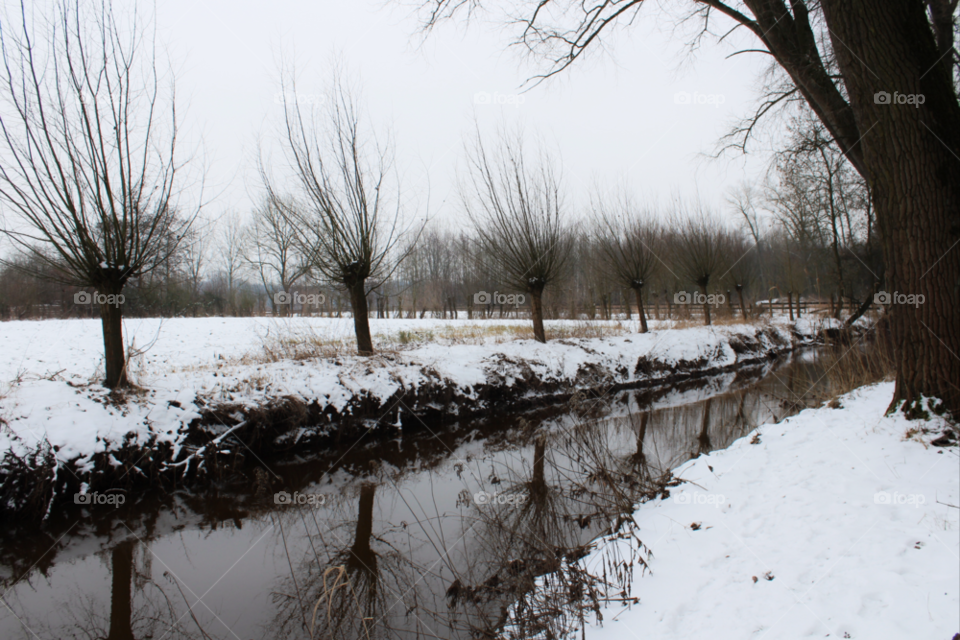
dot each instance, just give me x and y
(772, 243)
(805, 234)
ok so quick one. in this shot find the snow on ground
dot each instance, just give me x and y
(75, 347)
(53, 394)
(834, 525)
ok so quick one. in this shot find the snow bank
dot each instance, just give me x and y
(833, 523)
(188, 383)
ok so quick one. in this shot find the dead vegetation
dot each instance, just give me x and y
(306, 342)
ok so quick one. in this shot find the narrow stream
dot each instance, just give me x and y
(432, 535)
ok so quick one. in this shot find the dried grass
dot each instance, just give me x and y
(848, 367)
(723, 320)
(306, 342)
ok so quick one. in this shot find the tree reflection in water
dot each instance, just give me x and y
(121, 611)
(351, 581)
(139, 607)
(521, 569)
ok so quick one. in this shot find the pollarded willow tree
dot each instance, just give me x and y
(701, 250)
(346, 211)
(862, 67)
(631, 243)
(744, 270)
(89, 163)
(516, 207)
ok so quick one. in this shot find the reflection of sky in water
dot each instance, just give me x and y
(405, 541)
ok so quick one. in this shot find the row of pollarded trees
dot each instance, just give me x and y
(523, 238)
(517, 211)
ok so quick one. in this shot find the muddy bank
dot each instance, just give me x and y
(221, 442)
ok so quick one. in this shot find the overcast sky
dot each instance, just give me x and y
(614, 118)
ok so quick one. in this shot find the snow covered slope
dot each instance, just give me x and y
(830, 524)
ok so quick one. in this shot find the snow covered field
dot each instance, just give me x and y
(74, 348)
(835, 524)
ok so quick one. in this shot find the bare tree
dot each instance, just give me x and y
(631, 242)
(701, 249)
(749, 201)
(272, 249)
(746, 200)
(348, 218)
(745, 266)
(791, 256)
(812, 171)
(229, 251)
(195, 253)
(88, 156)
(435, 250)
(516, 209)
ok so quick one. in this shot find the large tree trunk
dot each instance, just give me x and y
(640, 311)
(910, 153)
(111, 319)
(361, 323)
(536, 310)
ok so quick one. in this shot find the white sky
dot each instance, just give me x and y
(613, 117)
